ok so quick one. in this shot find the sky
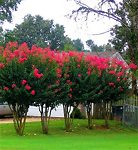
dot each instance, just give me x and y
(58, 11)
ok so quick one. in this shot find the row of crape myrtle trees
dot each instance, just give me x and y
(48, 78)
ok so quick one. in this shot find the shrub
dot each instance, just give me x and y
(77, 114)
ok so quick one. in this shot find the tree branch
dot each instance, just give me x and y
(110, 13)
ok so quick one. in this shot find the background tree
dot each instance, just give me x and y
(78, 45)
(6, 36)
(93, 47)
(68, 44)
(6, 8)
(56, 37)
(1, 36)
(43, 33)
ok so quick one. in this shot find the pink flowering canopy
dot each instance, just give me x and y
(28, 73)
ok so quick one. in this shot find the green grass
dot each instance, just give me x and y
(99, 138)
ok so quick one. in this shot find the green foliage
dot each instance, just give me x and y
(56, 37)
(6, 8)
(78, 45)
(68, 45)
(14, 73)
(1, 37)
(93, 47)
(77, 114)
(125, 36)
(43, 33)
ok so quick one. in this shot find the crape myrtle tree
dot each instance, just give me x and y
(25, 75)
(84, 83)
(90, 87)
(71, 69)
(15, 84)
(75, 72)
(103, 81)
(114, 78)
(45, 81)
(63, 90)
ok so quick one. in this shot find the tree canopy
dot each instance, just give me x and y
(6, 8)
(78, 44)
(43, 33)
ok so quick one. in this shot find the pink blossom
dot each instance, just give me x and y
(28, 87)
(133, 66)
(16, 53)
(67, 75)
(119, 74)
(78, 65)
(118, 79)
(21, 60)
(37, 74)
(24, 82)
(89, 73)
(6, 88)
(13, 86)
(33, 92)
(59, 72)
(79, 75)
(111, 72)
(11, 56)
(2, 65)
(111, 84)
(69, 82)
(70, 90)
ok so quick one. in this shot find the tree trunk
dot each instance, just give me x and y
(44, 110)
(68, 122)
(89, 115)
(107, 111)
(19, 117)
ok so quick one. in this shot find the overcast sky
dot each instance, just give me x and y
(57, 10)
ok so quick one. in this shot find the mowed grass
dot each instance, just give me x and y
(81, 138)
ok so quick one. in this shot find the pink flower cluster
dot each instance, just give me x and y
(92, 65)
(133, 66)
(37, 74)
(24, 83)
(28, 87)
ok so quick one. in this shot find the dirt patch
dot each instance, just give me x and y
(29, 119)
(10, 120)
(101, 127)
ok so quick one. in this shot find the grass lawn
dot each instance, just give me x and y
(115, 138)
